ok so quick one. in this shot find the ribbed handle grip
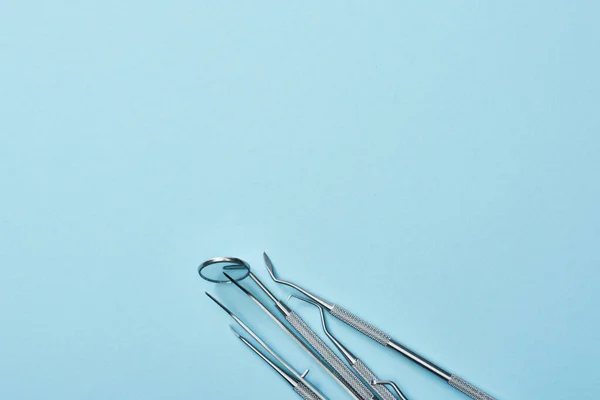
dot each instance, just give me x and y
(305, 392)
(468, 389)
(369, 376)
(329, 356)
(360, 325)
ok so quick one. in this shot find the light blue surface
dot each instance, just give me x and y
(432, 166)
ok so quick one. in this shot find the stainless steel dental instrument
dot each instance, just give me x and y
(383, 338)
(350, 381)
(299, 387)
(299, 376)
(359, 366)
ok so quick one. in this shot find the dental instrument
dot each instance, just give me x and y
(383, 338)
(299, 387)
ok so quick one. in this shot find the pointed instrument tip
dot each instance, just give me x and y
(269, 265)
(267, 260)
(235, 332)
(219, 304)
(210, 295)
(309, 301)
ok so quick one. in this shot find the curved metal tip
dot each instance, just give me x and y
(392, 384)
(314, 303)
(271, 271)
(310, 301)
(343, 349)
(269, 265)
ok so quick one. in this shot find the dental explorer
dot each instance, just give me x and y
(386, 340)
(299, 387)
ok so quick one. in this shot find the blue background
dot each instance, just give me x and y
(432, 166)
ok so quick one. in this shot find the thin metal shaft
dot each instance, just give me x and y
(263, 288)
(280, 306)
(299, 341)
(423, 362)
(288, 378)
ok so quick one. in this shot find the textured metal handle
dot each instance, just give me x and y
(360, 325)
(468, 389)
(385, 339)
(329, 356)
(305, 392)
(369, 377)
